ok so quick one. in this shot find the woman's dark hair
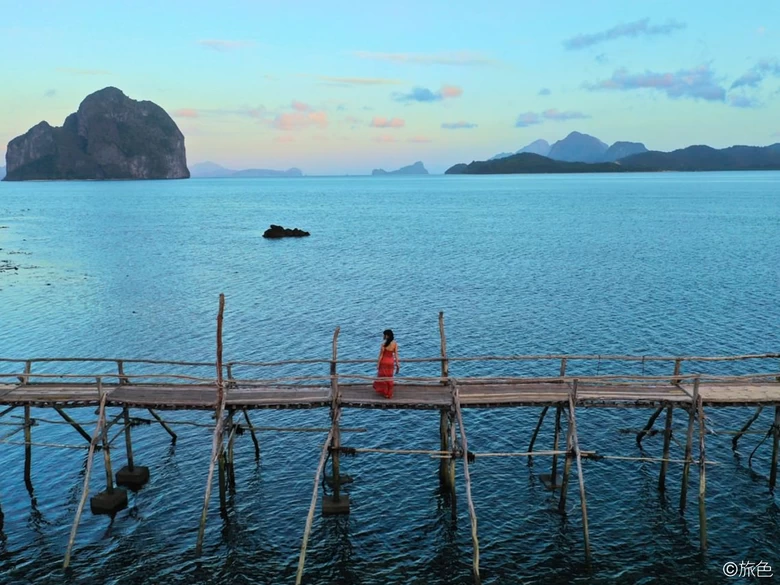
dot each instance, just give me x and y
(389, 334)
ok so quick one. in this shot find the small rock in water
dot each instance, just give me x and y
(277, 231)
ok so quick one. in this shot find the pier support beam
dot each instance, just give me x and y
(775, 449)
(745, 428)
(641, 435)
(535, 434)
(231, 469)
(689, 446)
(667, 442)
(112, 500)
(131, 476)
(337, 503)
(72, 423)
(566, 469)
(28, 450)
(576, 448)
(254, 437)
(159, 419)
(553, 482)
(702, 479)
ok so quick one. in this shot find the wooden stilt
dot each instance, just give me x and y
(667, 441)
(554, 473)
(85, 488)
(6, 411)
(337, 503)
(222, 481)
(566, 467)
(576, 448)
(689, 446)
(27, 449)
(445, 364)
(452, 448)
(444, 439)
(128, 441)
(216, 447)
(231, 469)
(677, 369)
(72, 423)
(159, 419)
(107, 461)
(648, 426)
(252, 431)
(702, 478)
(312, 507)
(775, 449)
(536, 433)
(745, 428)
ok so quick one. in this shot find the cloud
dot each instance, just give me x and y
(528, 119)
(186, 113)
(637, 28)
(743, 101)
(419, 139)
(300, 120)
(224, 46)
(300, 106)
(563, 116)
(422, 94)
(456, 58)
(284, 138)
(74, 71)
(385, 138)
(544, 91)
(49, 93)
(756, 74)
(382, 122)
(696, 83)
(459, 125)
(357, 80)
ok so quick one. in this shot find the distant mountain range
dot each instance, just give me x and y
(578, 147)
(212, 170)
(581, 153)
(415, 169)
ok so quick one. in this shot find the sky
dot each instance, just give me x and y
(343, 87)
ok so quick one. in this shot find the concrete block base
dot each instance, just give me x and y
(330, 507)
(550, 483)
(135, 479)
(108, 503)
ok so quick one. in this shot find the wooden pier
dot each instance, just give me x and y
(229, 399)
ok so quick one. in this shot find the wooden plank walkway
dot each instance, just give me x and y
(430, 396)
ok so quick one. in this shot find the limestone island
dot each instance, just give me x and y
(277, 231)
(416, 169)
(110, 137)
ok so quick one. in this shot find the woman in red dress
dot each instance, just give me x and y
(388, 357)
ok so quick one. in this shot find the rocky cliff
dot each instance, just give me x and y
(110, 137)
(416, 169)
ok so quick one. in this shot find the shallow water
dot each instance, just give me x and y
(639, 264)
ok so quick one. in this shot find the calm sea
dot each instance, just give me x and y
(639, 264)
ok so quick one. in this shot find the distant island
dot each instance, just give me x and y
(212, 170)
(415, 169)
(110, 137)
(581, 153)
(2, 173)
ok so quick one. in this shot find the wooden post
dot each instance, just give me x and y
(566, 467)
(128, 442)
(677, 368)
(576, 447)
(775, 449)
(335, 412)
(72, 423)
(444, 439)
(648, 426)
(231, 440)
(702, 478)
(536, 432)
(563, 368)
(27, 449)
(453, 443)
(216, 447)
(554, 472)
(85, 488)
(159, 419)
(467, 477)
(120, 366)
(667, 441)
(445, 364)
(27, 369)
(689, 446)
(221, 481)
(106, 450)
(745, 428)
(254, 437)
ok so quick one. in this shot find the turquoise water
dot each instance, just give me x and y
(639, 264)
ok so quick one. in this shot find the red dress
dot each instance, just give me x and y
(386, 367)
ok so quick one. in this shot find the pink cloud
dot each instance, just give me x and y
(451, 91)
(382, 122)
(186, 113)
(384, 138)
(300, 120)
(300, 106)
(419, 139)
(284, 138)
